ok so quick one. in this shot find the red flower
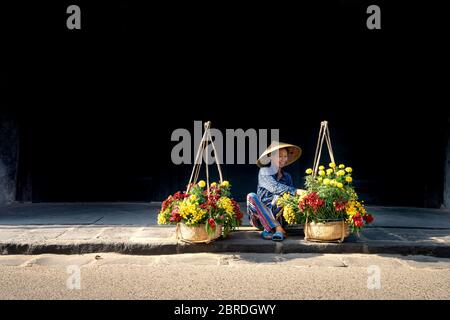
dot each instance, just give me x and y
(312, 200)
(175, 215)
(211, 223)
(368, 218)
(180, 195)
(215, 190)
(236, 207)
(212, 200)
(301, 205)
(358, 220)
(212, 204)
(339, 206)
(237, 210)
(166, 203)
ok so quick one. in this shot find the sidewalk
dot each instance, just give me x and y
(131, 228)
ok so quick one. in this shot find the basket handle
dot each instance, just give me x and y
(343, 231)
(306, 226)
(203, 146)
(324, 135)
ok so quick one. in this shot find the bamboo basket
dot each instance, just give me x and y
(331, 230)
(326, 231)
(197, 234)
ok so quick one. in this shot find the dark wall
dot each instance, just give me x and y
(9, 145)
(100, 104)
(124, 155)
(446, 196)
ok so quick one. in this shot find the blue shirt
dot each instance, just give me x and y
(269, 186)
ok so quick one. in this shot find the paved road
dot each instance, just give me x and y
(224, 276)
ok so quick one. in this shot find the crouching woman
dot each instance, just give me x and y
(273, 182)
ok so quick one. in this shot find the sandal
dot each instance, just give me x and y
(266, 235)
(278, 236)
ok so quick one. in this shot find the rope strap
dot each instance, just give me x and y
(203, 149)
(324, 136)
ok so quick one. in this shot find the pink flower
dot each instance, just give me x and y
(175, 215)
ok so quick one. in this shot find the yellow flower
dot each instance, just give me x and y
(193, 197)
(309, 171)
(348, 169)
(225, 184)
(341, 166)
(326, 181)
(303, 195)
(350, 209)
(225, 203)
(202, 184)
(289, 214)
(333, 183)
(286, 196)
(321, 168)
(321, 173)
(332, 165)
(341, 173)
(162, 219)
(361, 209)
(353, 207)
(348, 179)
(329, 171)
(190, 212)
(214, 184)
(340, 185)
(319, 179)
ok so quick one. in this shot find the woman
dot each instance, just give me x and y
(273, 182)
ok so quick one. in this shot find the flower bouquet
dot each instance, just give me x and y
(202, 214)
(329, 207)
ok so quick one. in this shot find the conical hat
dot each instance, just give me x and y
(294, 152)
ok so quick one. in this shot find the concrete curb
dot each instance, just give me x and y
(229, 245)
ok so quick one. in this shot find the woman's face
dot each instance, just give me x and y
(280, 158)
